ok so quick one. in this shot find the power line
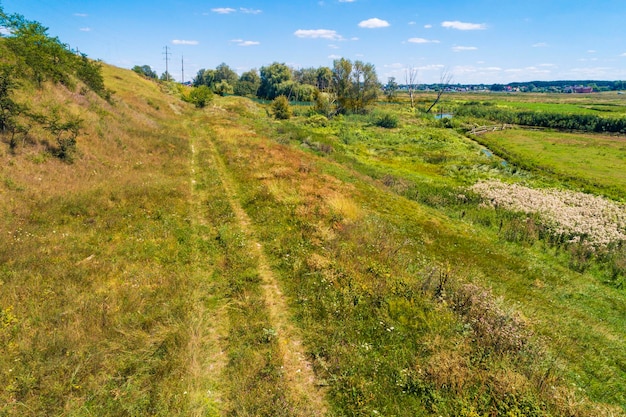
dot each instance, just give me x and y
(167, 60)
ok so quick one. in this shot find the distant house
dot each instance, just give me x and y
(579, 89)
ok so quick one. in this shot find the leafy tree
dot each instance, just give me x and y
(10, 110)
(324, 103)
(280, 108)
(271, 78)
(306, 76)
(146, 71)
(201, 96)
(324, 78)
(44, 57)
(391, 89)
(166, 77)
(222, 88)
(90, 72)
(224, 73)
(248, 84)
(304, 92)
(355, 85)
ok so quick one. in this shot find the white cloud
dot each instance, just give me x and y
(81, 14)
(374, 23)
(463, 25)
(412, 23)
(318, 34)
(428, 26)
(184, 42)
(431, 67)
(463, 48)
(223, 10)
(591, 51)
(347, 1)
(540, 45)
(250, 11)
(332, 46)
(241, 42)
(333, 56)
(354, 38)
(4, 31)
(624, 54)
(422, 40)
(85, 29)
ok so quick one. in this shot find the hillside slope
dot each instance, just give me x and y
(213, 262)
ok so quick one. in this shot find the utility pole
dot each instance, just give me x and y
(167, 59)
(182, 64)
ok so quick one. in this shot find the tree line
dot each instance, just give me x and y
(346, 87)
(553, 120)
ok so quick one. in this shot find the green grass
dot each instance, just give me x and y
(129, 285)
(358, 274)
(595, 162)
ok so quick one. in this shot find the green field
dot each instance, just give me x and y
(596, 162)
(217, 261)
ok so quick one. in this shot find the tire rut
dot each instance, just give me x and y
(305, 393)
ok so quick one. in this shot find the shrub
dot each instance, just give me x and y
(387, 120)
(317, 120)
(280, 108)
(200, 96)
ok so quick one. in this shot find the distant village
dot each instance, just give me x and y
(566, 87)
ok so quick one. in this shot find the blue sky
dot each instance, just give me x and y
(477, 41)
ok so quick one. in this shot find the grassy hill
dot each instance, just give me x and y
(218, 262)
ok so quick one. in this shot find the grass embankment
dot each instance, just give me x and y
(378, 284)
(96, 260)
(129, 284)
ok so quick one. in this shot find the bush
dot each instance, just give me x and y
(387, 120)
(280, 108)
(200, 96)
(317, 120)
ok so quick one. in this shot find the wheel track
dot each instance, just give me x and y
(305, 393)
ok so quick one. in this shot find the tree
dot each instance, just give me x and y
(90, 72)
(444, 82)
(305, 76)
(356, 86)
(146, 71)
(410, 79)
(224, 73)
(391, 88)
(166, 77)
(44, 57)
(271, 78)
(280, 108)
(324, 78)
(248, 83)
(10, 110)
(222, 88)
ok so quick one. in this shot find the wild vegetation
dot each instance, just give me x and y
(206, 254)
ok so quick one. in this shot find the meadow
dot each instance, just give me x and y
(217, 261)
